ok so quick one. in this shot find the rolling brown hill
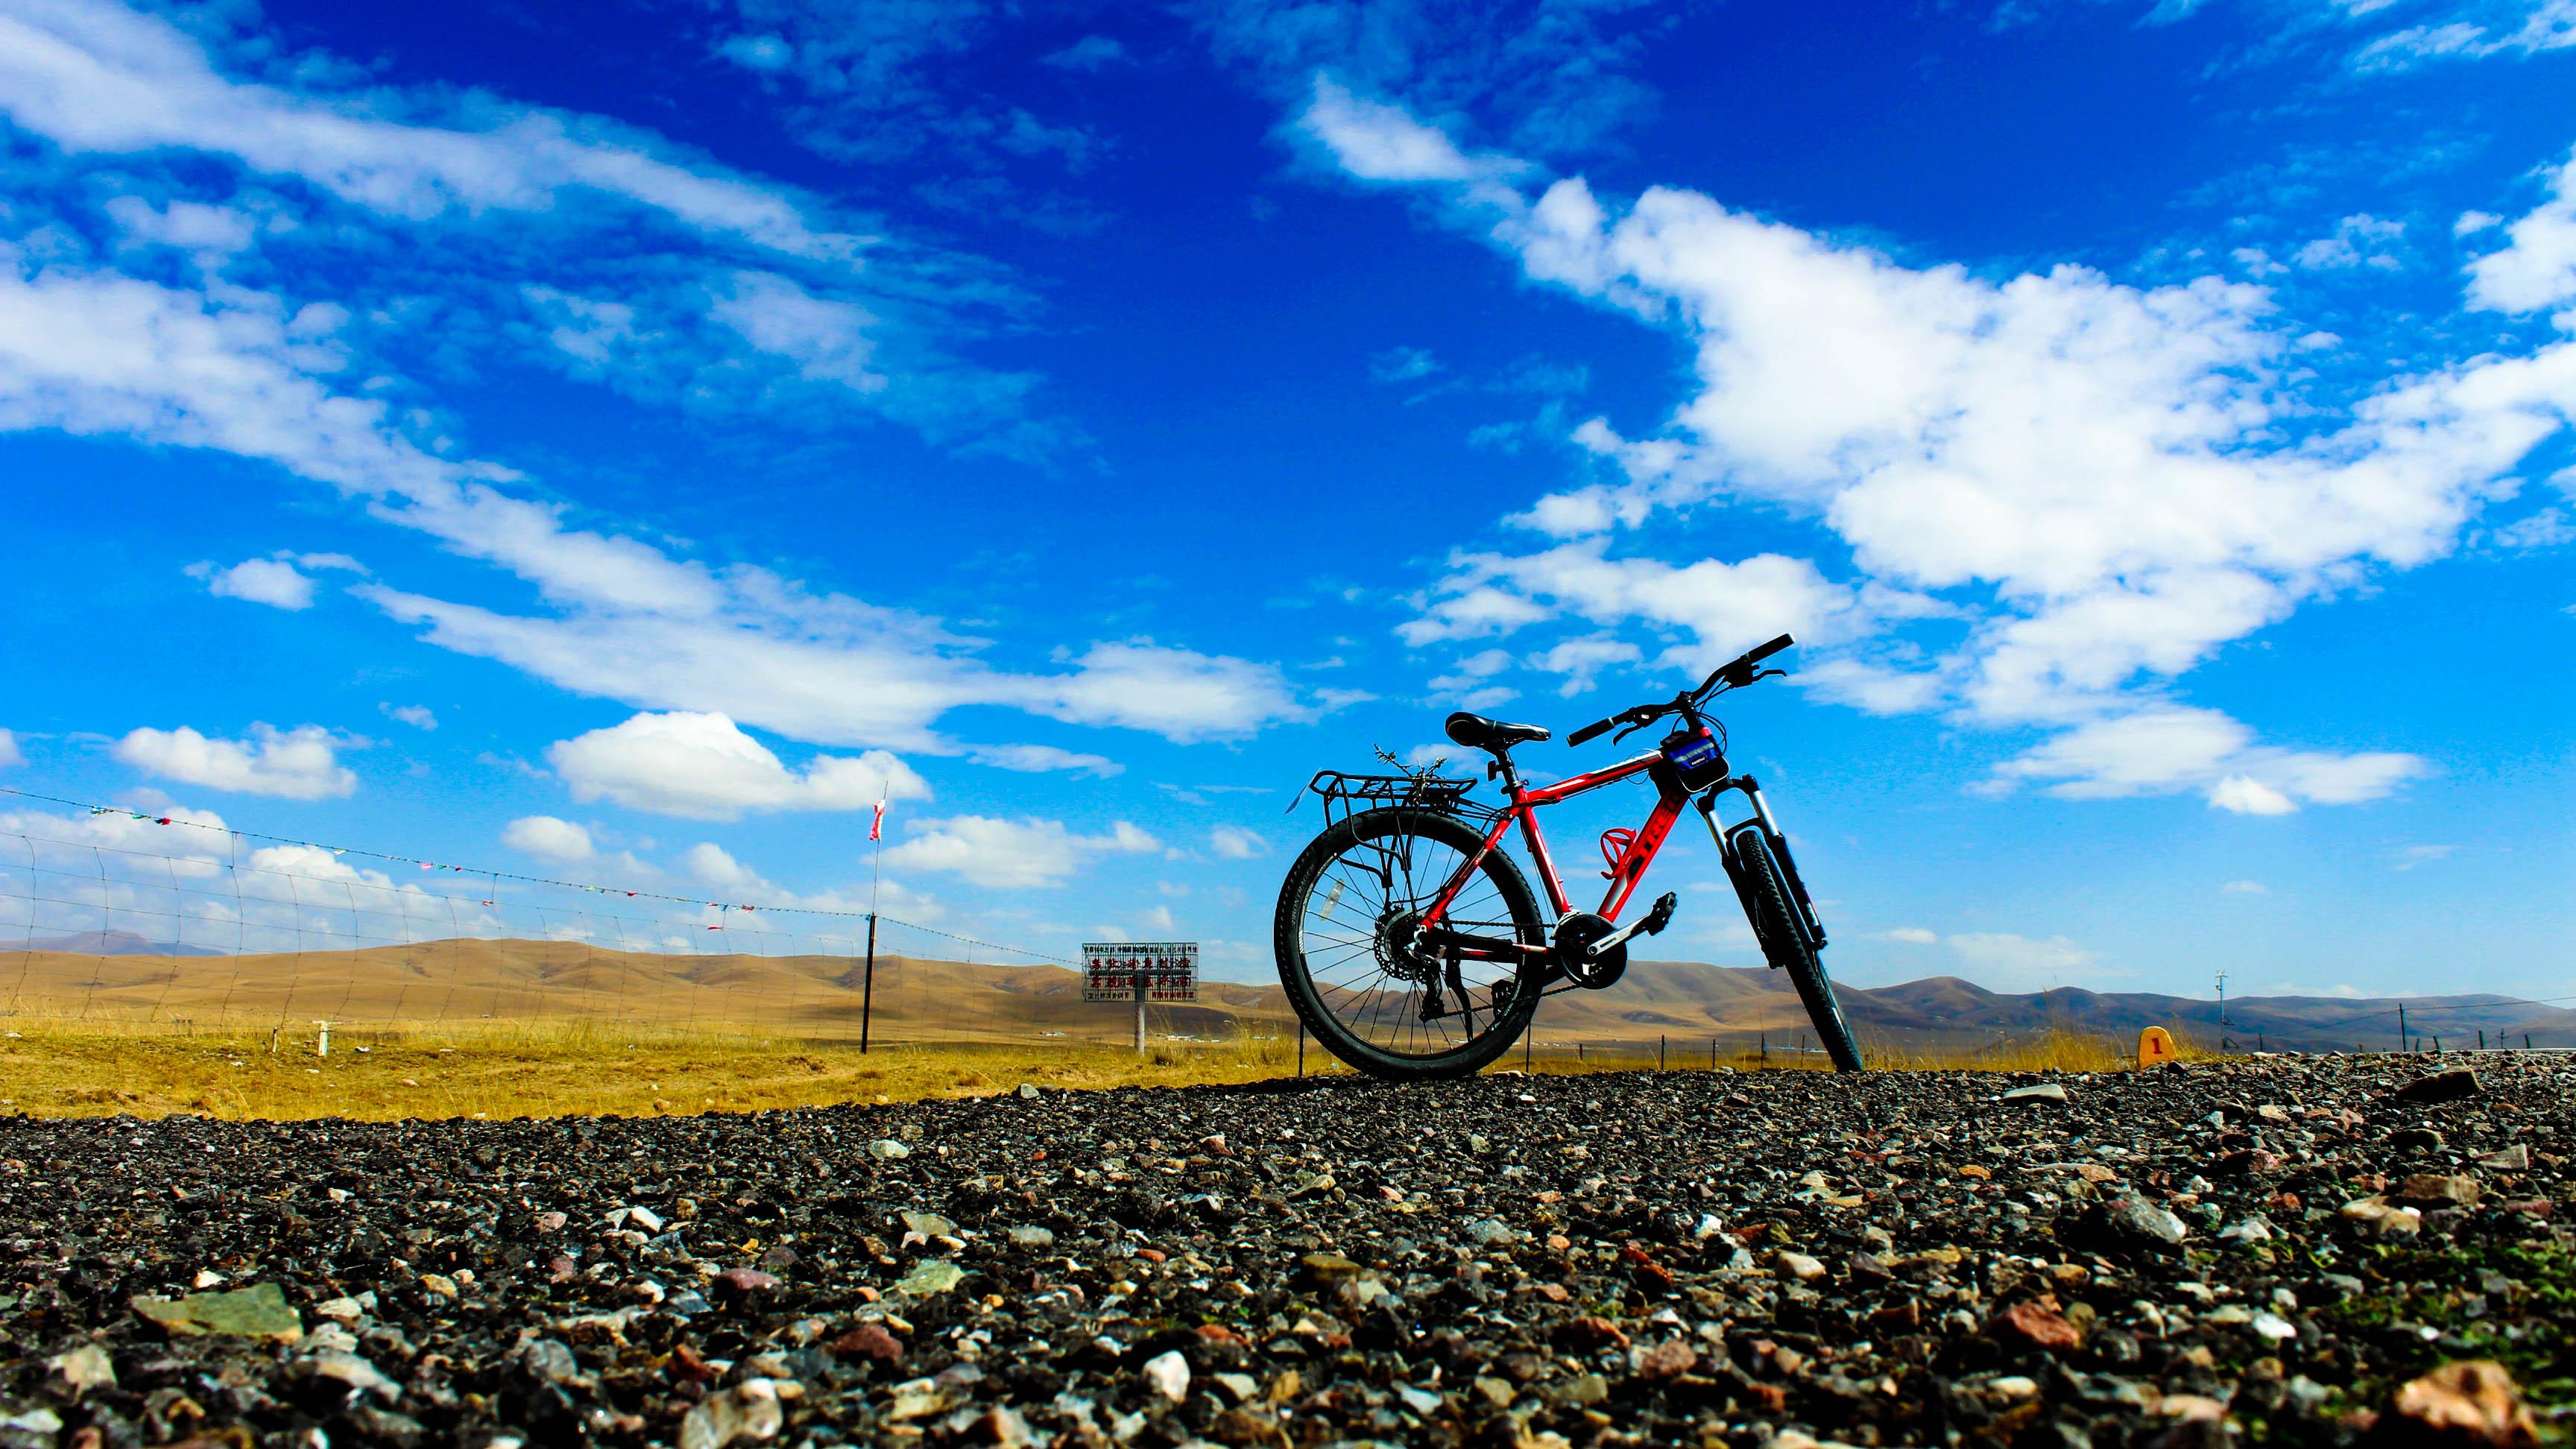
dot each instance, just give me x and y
(916, 999)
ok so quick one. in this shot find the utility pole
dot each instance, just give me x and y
(2222, 1011)
(868, 985)
(1140, 1012)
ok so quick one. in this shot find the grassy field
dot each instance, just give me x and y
(541, 1069)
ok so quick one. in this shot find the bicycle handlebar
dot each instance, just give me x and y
(1591, 732)
(1735, 674)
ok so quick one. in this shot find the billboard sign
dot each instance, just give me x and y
(1168, 971)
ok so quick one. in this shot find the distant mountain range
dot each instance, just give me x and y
(113, 943)
(1687, 1002)
(1692, 998)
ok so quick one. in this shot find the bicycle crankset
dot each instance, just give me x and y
(1576, 935)
(1595, 953)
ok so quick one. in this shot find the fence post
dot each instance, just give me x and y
(2401, 1026)
(1766, 1048)
(1659, 1051)
(868, 985)
(1578, 1051)
(1525, 1050)
(1301, 1046)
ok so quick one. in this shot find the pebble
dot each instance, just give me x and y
(2473, 1402)
(1022, 1282)
(2451, 1085)
(1798, 1266)
(84, 1368)
(1169, 1374)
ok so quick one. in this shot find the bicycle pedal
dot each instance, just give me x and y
(1662, 914)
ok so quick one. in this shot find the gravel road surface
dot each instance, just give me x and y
(2275, 1250)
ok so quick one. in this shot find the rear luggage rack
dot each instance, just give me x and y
(1344, 794)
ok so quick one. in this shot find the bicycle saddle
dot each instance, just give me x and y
(1479, 733)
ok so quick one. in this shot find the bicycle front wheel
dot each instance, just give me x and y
(1785, 945)
(1348, 958)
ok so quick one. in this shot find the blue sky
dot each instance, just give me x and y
(619, 444)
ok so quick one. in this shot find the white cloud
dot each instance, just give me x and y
(1724, 607)
(711, 863)
(418, 716)
(2002, 961)
(1403, 364)
(827, 339)
(312, 862)
(2161, 749)
(2536, 268)
(2246, 888)
(2415, 855)
(703, 767)
(2543, 25)
(1581, 660)
(274, 581)
(97, 77)
(297, 764)
(548, 837)
(9, 752)
(188, 226)
(2245, 795)
(1013, 853)
(1236, 843)
(757, 52)
(2361, 240)
(1037, 759)
(2548, 528)
(762, 271)
(1378, 142)
(2106, 483)
(1090, 53)
(1910, 935)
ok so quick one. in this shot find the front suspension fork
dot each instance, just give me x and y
(1771, 834)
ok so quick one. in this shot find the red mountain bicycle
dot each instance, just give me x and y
(1411, 946)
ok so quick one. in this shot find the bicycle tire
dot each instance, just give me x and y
(1785, 945)
(1291, 929)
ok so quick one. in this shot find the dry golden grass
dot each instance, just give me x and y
(552, 1068)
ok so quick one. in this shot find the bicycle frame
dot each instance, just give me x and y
(1628, 870)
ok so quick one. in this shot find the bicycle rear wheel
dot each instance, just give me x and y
(1344, 937)
(1785, 944)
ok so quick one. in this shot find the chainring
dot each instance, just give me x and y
(1573, 935)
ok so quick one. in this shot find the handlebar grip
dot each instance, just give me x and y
(1592, 731)
(1766, 651)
